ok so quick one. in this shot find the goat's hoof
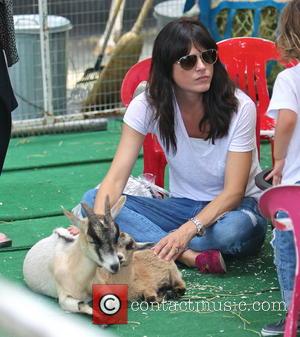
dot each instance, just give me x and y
(180, 291)
(151, 299)
(171, 294)
(166, 292)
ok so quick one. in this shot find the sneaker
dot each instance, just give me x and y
(4, 241)
(210, 261)
(275, 329)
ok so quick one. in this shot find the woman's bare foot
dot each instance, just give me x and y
(188, 258)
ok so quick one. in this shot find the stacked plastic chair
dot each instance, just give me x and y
(286, 198)
(210, 9)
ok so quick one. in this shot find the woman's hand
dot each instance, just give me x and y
(73, 230)
(276, 173)
(172, 245)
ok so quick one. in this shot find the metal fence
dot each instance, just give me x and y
(58, 40)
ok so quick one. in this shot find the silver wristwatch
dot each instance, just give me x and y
(199, 226)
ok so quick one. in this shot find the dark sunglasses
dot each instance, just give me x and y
(188, 62)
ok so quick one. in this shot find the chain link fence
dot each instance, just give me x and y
(66, 79)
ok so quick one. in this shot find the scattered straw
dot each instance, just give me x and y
(134, 322)
(245, 323)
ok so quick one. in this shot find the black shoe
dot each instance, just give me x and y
(275, 329)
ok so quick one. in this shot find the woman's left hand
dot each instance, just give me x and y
(172, 245)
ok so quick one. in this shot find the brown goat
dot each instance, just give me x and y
(148, 277)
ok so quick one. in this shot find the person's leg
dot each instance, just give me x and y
(5, 131)
(239, 232)
(285, 262)
(152, 219)
(236, 233)
(149, 219)
(284, 258)
(169, 214)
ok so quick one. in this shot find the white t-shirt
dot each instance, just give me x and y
(286, 95)
(197, 169)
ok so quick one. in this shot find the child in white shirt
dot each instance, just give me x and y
(285, 107)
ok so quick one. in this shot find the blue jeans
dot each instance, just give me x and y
(238, 232)
(285, 261)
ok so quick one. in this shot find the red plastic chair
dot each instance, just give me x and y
(154, 158)
(286, 198)
(246, 59)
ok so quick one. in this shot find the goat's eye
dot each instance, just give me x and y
(129, 246)
(92, 242)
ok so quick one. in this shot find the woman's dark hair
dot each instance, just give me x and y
(174, 41)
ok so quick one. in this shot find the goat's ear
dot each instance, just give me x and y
(87, 210)
(74, 220)
(81, 223)
(144, 245)
(118, 206)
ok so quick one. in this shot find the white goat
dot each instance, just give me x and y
(63, 266)
(148, 277)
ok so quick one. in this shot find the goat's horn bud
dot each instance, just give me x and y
(107, 205)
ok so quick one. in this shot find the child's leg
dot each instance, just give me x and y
(285, 261)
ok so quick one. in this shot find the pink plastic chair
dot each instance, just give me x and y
(287, 199)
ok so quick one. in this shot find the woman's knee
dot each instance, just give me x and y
(242, 232)
(138, 226)
(89, 197)
(243, 223)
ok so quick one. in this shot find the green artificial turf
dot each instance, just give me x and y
(44, 172)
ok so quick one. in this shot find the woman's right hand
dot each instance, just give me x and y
(73, 230)
(276, 173)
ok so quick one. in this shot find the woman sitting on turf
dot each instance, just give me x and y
(207, 130)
